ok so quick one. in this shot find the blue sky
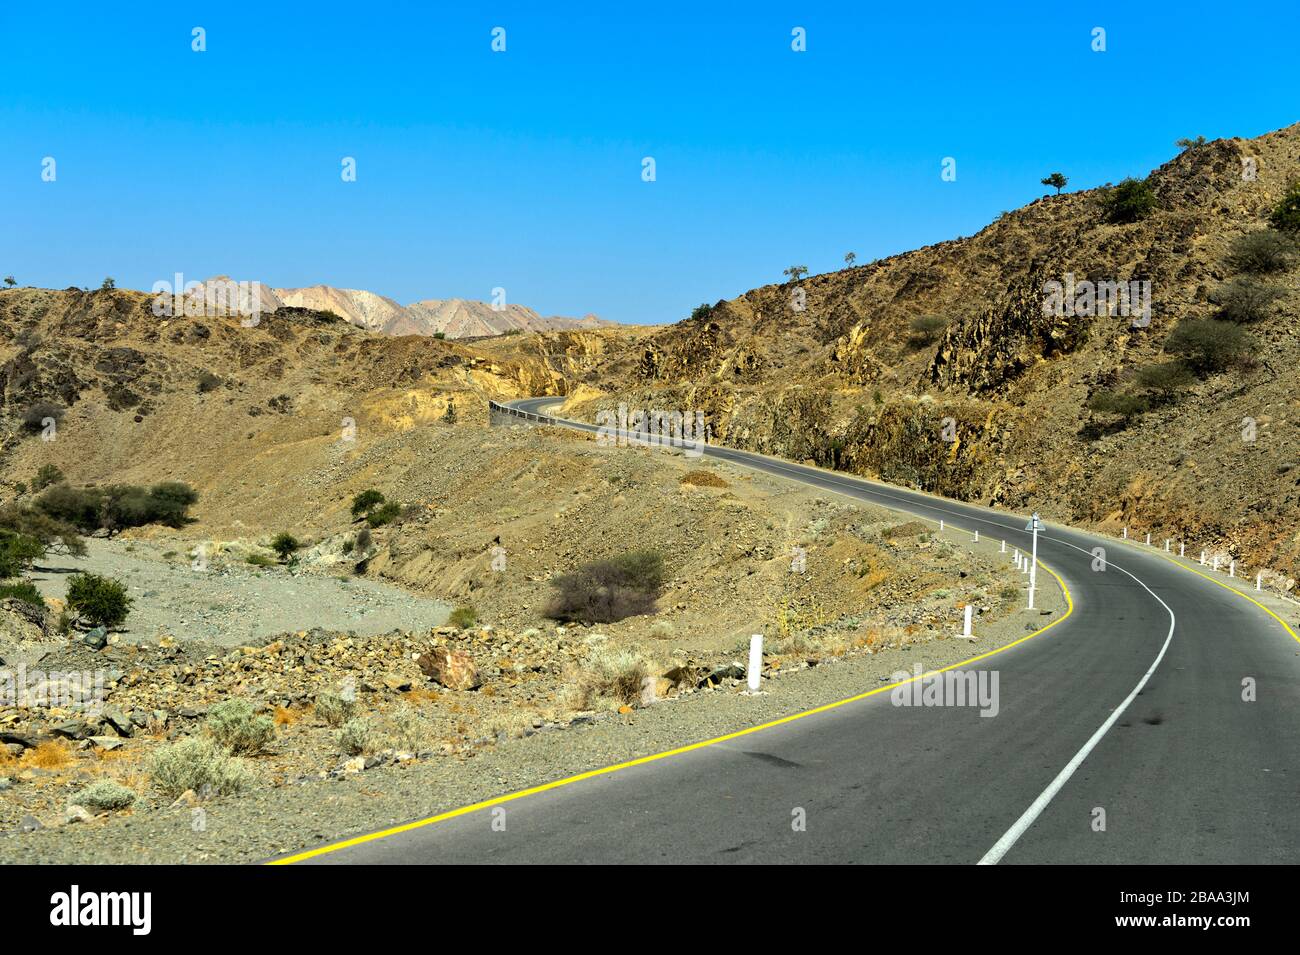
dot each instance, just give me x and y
(522, 169)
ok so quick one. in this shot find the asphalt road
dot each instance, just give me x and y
(1132, 707)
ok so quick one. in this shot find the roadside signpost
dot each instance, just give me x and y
(1034, 524)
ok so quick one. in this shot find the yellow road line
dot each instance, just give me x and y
(591, 774)
(1239, 593)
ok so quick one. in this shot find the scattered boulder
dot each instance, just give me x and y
(96, 639)
(453, 669)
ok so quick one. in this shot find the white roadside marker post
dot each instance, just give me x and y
(1148, 538)
(1259, 579)
(1181, 547)
(1215, 565)
(1166, 545)
(1124, 536)
(1033, 525)
(1232, 569)
(1004, 548)
(941, 524)
(755, 661)
(1016, 561)
(1202, 558)
(965, 627)
(977, 537)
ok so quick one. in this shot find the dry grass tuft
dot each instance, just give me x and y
(704, 479)
(51, 754)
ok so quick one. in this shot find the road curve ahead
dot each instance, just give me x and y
(1128, 713)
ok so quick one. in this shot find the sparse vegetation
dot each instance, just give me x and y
(604, 591)
(25, 591)
(1121, 404)
(334, 708)
(1246, 299)
(1056, 180)
(795, 272)
(119, 506)
(1165, 380)
(850, 258)
(926, 329)
(1208, 344)
(1286, 216)
(385, 514)
(355, 737)
(108, 284)
(365, 502)
(463, 617)
(100, 601)
(197, 764)
(1130, 201)
(17, 551)
(46, 475)
(1267, 250)
(614, 674)
(237, 727)
(1190, 142)
(259, 560)
(701, 312)
(104, 795)
(284, 544)
(208, 382)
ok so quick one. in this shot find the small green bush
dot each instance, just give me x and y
(1166, 379)
(46, 475)
(237, 728)
(1131, 200)
(259, 560)
(1265, 251)
(25, 591)
(1246, 299)
(604, 591)
(384, 515)
(17, 551)
(198, 764)
(284, 544)
(102, 601)
(1287, 214)
(365, 502)
(335, 709)
(1119, 403)
(463, 617)
(355, 737)
(1207, 344)
(926, 329)
(34, 417)
(104, 796)
(208, 382)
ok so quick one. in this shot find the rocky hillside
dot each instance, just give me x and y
(949, 368)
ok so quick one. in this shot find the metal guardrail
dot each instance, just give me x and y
(506, 409)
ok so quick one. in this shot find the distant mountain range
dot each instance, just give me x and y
(452, 317)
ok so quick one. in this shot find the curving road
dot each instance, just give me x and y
(1132, 705)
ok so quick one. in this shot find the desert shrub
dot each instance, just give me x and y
(33, 522)
(407, 730)
(349, 544)
(237, 728)
(17, 551)
(102, 601)
(25, 591)
(121, 505)
(198, 764)
(170, 502)
(1166, 379)
(104, 795)
(335, 709)
(463, 617)
(926, 329)
(385, 514)
(1120, 403)
(661, 630)
(1287, 214)
(1131, 200)
(365, 502)
(364, 539)
(1265, 251)
(355, 737)
(284, 544)
(208, 382)
(700, 312)
(1245, 299)
(46, 475)
(1207, 344)
(604, 591)
(613, 674)
(34, 417)
(259, 560)
(439, 335)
